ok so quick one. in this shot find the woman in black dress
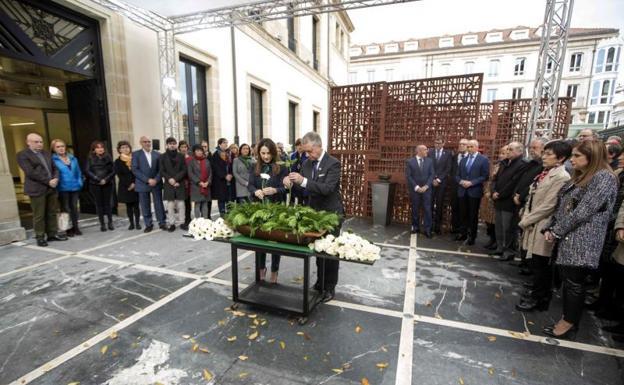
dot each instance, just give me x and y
(100, 171)
(125, 188)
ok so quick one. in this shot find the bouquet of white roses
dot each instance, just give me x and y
(347, 246)
(202, 228)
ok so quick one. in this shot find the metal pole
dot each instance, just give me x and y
(234, 83)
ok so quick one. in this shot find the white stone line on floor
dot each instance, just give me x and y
(406, 342)
(226, 266)
(520, 336)
(155, 231)
(33, 375)
(138, 266)
(391, 245)
(33, 266)
(48, 249)
(365, 308)
(457, 252)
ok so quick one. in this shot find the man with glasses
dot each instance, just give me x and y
(148, 184)
(473, 171)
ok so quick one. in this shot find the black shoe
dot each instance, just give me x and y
(171, 228)
(503, 257)
(137, 226)
(461, 237)
(57, 237)
(617, 329)
(328, 295)
(148, 228)
(569, 335)
(131, 227)
(525, 271)
(102, 227)
(469, 242)
(428, 234)
(184, 227)
(163, 227)
(69, 233)
(495, 253)
(110, 226)
(531, 304)
(77, 231)
(414, 231)
(317, 287)
(41, 242)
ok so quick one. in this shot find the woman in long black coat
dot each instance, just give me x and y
(221, 175)
(125, 187)
(266, 184)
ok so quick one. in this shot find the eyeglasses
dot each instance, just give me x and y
(146, 141)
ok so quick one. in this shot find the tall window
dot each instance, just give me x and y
(315, 42)
(193, 104)
(292, 41)
(491, 95)
(292, 122)
(316, 121)
(257, 116)
(371, 76)
(337, 40)
(608, 59)
(602, 92)
(519, 66)
(516, 93)
(493, 72)
(575, 62)
(469, 67)
(572, 90)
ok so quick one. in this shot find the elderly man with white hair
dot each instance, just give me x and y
(41, 179)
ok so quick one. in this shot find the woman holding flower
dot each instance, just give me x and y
(266, 184)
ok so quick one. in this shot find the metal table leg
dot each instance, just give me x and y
(234, 273)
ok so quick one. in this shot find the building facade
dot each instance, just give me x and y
(508, 60)
(268, 79)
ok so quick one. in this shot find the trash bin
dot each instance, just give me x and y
(383, 197)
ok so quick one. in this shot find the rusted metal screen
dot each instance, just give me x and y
(375, 127)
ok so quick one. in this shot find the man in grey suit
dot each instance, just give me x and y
(320, 178)
(146, 170)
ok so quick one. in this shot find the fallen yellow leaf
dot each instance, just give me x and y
(159, 383)
(243, 358)
(104, 349)
(346, 366)
(114, 353)
(256, 322)
(385, 350)
(271, 340)
(253, 335)
(192, 340)
(300, 333)
(358, 329)
(517, 335)
(264, 322)
(195, 347)
(204, 350)
(492, 338)
(307, 337)
(207, 375)
(252, 315)
(222, 322)
(282, 345)
(497, 295)
(364, 381)
(461, 381)
(339, 371)
(243, 375)
(531, 323)
(113, 335)
(382, 365)
(231, 339)
(74, 383)
(491, 371)
(305, 358)
(239, 313)
(123, 299)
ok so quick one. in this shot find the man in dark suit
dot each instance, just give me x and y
(442, 164)
(457, 158)
(320, 178)
(146, 170)
(506, 222)
(419, 174)
(473, 171)
(41, 179)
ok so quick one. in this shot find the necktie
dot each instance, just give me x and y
(438, 155)
(469, 162)
(314, 169)
(420, 164)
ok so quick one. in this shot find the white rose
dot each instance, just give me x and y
(265, 176)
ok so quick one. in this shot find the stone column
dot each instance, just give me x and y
(10, 226)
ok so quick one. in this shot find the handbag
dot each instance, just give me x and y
(62, 220)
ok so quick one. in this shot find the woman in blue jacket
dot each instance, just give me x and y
(70, 182)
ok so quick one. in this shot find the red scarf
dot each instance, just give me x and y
(204, 174)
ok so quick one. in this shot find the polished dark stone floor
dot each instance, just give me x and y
(167, 297)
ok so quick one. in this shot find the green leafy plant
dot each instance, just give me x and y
(276, 216)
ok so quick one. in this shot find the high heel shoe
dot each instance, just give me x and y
(274, 277)
(568, 335)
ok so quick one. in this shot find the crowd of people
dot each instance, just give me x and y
(177, 185)
(559, 211)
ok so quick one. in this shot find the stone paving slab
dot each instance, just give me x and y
(13, 257)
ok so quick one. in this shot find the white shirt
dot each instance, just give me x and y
(148, 155)
(305, 180)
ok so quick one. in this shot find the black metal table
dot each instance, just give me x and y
(276, 297)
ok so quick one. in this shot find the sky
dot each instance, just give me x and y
(428, 18)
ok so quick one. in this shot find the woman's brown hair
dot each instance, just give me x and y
(97, 143)
(596, 153)
(268, 143)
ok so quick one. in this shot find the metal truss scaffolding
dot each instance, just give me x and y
(542, 121)
(256, 12)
